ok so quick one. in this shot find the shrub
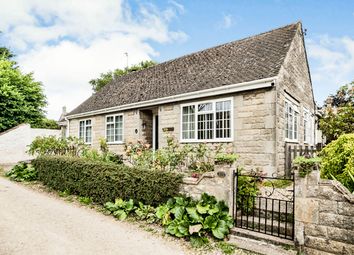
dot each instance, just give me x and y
(306, 165)
(198, 158)
(103, 182)
(247, 190)
(226, 158)
(51, 145)
(338, 161)
(185, 217)
(22, 172)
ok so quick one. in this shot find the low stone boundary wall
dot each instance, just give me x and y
(324, 216)
(217, 183)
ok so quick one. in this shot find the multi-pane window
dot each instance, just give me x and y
(223, 119)
(114, 128)
(207, 121)
(188, 120)
(291, 121)
(308, 127)
(85, 131)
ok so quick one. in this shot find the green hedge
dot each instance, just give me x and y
(104, 182)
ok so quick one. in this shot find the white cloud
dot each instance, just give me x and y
(227, 21)
(332, 64)
(66, 43)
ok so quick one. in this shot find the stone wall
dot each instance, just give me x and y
(14, 142)
(217, 183)
(253, 127)
(324, 216)
(294, 80)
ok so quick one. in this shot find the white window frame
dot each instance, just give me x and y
(213, 101)
(84, 137)
(295, 106)
(309, 135)
(105, 130)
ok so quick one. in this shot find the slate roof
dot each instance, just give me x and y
(252, 58)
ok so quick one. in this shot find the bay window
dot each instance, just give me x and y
(114, 129)
(207, 121)
(85, 131)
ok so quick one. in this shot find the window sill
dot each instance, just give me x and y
(208, 141)
(115, 143)
(291, 140)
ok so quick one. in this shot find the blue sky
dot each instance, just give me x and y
(67, 43)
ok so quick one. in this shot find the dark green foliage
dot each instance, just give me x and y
(198, 242)
(85, 200)
(145, 212)
(337, 122)
(120, 208)
(306, 165)
(46, 123)
(338, 113)
(104, 182)
(338, 161)
(6, 53)
(22, 172)
(184, 217)
(106, 78)
(226, 248)
(247, 190)
(21, 97)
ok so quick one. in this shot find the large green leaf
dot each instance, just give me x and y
(210, 222)
(178, 212)
(194, 215)
(221, 230)
(161, 211)
(120, 203)
(213, 210)
(120, 214)
(129, 205)
(110, 206)
(202, 209)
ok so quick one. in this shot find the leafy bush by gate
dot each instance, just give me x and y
(338, 161)
(104, 182)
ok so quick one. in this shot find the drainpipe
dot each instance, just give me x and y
(67, 132)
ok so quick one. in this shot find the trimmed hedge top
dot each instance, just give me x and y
(104, 182)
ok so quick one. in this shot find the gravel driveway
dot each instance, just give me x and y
(35, 223)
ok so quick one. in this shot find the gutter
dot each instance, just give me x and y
(227, 89)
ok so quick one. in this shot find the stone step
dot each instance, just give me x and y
(260, 243)
(264, 225)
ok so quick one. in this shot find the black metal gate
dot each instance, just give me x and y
(264, 204)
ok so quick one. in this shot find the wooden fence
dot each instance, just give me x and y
(294, 150)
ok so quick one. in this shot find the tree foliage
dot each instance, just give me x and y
(6, 53)
(21, 97)
(338, 113)
(106, 78)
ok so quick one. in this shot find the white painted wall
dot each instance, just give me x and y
(14, 142)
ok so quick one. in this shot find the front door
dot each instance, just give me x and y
(155, 132)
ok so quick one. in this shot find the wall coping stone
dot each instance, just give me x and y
(196, 181)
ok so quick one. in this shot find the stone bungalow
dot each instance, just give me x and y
(255, 94)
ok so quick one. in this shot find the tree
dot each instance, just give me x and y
(106, 78)
(338, 113)
(21, 97)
